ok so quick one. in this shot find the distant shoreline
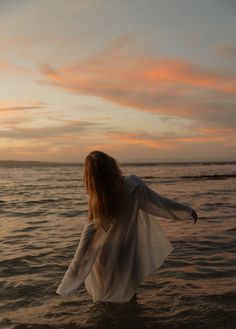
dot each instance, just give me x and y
(14, 163)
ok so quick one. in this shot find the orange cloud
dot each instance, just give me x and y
(183, 72)
(169, 141)
(173, 87)
(150, 75)
(137, 139)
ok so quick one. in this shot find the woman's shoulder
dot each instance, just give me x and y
(132, 180)
(131, 176)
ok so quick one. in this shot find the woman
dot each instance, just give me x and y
(123, 241)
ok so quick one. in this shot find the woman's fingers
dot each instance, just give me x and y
(194, 216)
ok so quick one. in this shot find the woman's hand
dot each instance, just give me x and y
(194, 216)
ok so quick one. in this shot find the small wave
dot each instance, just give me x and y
(37, 222)
(23, 214)
(210, 177)
(27, 229)
(206, 193)
(72, 213)
(149, 177)
(40, 201)
(35, 326)
(231, 231)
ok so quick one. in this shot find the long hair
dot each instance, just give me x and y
(104, 185)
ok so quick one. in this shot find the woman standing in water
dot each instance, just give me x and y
(123, 241)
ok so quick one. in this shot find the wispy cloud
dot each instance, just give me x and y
(12, 68)
(73, 140)
(69, 130)
(26, 107)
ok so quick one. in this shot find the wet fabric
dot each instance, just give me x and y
(113, 263)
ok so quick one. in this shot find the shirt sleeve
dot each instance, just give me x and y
(82, 261)
(157, 205)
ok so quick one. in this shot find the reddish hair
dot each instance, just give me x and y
(104, 184)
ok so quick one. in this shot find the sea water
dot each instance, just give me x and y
(43, 209)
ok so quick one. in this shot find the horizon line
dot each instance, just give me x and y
(120, 162)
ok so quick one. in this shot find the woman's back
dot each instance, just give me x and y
(116, 263)
(123, 241)
(120, 258)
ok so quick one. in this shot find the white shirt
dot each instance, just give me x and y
(113, 264)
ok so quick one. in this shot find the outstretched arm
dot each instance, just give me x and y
(157, 205)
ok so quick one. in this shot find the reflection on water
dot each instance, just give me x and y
(43, 211)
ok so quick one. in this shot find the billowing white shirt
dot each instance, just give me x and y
(112, 264)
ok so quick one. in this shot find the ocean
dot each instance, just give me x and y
(43, 209)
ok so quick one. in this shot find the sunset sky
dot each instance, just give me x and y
(149, 80)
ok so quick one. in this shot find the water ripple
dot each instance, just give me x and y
(43, 212)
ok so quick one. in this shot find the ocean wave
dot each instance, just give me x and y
(210, 177)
